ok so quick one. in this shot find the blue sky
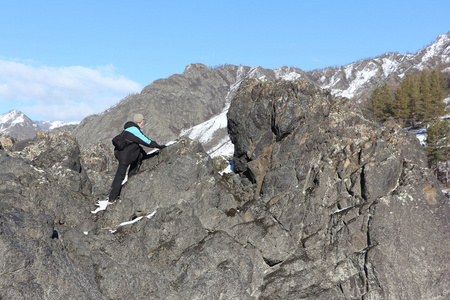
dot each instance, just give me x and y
(65, 60)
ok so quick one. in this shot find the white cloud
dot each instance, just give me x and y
(61, 93)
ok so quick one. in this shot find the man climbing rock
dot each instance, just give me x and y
(128, 151)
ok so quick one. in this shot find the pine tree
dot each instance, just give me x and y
(388, 101)
(436, 108)
(373, 103)
(425, 96)
(411, 89)
(401, 111)
(381, 103)
(438, 143)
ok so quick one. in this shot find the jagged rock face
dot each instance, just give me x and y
(100, 165)
(38, 203)
(187, 249)
(180, 253)
(59, 151)
(6, 142)
(359, 208)
(325, 204)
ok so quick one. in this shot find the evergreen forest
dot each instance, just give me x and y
(418, 102)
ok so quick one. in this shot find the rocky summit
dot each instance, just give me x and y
(324, 203)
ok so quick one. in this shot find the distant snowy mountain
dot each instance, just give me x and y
(16, 124)
(50, 125)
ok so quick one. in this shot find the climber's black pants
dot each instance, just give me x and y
(121, 172)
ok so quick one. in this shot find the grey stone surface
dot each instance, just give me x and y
(324, 204)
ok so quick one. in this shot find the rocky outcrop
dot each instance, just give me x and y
(6, 142)
(183, 251)
(100, 165)
(324, 204)
(360, 210)
(40, 202)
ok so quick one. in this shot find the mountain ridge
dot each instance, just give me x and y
(388, 66)
(183, 103)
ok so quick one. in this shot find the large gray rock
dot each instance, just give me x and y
(37, 206)
(185, 250)
(362, 210)
(324, 204)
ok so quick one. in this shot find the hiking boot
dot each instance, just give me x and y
(111, 201)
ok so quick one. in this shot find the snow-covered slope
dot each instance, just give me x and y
(357, 79)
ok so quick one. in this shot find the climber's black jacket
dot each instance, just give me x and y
(132, 133)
